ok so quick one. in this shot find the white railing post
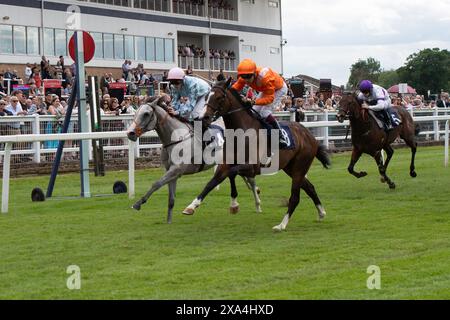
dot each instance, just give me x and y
(131, 189)
(326, 130)
(137, 150)
(292, 115)
(36, 128)
(5, 182)
(447, 123)
(436, 126)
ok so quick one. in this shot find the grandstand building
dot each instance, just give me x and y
(160, 34)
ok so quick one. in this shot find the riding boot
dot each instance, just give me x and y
(276, 125)
(388, 121)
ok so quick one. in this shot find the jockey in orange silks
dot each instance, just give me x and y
(271, 86)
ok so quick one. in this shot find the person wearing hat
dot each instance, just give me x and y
(188, 95)
(377, 99)
(271, 86)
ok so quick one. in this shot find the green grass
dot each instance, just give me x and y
(214, 255)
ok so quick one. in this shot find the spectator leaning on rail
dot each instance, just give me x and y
(271, 86)
(377, 99)
(194, 89)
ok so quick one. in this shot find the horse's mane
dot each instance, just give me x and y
(159, 101)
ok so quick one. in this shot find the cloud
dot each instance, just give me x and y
(330, 36)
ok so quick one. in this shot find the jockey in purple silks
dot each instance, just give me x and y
(377, 99)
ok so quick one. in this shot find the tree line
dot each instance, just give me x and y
(426, 70)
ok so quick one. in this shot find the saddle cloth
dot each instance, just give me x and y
(380, 117)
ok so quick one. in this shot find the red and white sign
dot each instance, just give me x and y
(88, 46)
(52, 83)
(118, 85)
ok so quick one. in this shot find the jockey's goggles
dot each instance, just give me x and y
(176, 82)
(247, 76)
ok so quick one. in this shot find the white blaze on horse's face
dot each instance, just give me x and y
(211, 94)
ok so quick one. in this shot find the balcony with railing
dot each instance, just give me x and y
(225, 10)
(200, 63)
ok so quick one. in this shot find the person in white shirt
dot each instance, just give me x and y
(377, 99)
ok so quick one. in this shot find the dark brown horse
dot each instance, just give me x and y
(226, 102)
(368, 137)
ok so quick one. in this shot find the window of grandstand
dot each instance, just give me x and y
(49, 42)
(6, 39)
(98, 40)
(248, 48)
(274, 4)
(139, 43)
(274, 50)
(108, 45)
(20, 41)
(60, 43)
(118, 47)
(159, 49)
(32, 40)
(150, 45)
(248, 1)
(156, 5)
(129, 48)
(25, 40)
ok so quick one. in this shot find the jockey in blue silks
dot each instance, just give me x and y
(377, 99)
(195, 90)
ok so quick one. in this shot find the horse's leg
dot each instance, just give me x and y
(356, 154)
(308, 187)
(383, 170)
(255, 190)
(215, 170)
(172, 174)
(172, 192)
(413, 145)
(234, 205)
(220, 175)
(297, 181)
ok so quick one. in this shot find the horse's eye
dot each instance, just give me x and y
(146, 114)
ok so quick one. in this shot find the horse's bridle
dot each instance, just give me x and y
(219, 109)
(139, 129)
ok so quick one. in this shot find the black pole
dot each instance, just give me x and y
(93, 103)
(59, 152)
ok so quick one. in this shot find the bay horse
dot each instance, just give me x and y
(369, 138)
(153, 115)
(226, 102)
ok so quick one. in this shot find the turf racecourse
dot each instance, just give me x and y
(214, 255)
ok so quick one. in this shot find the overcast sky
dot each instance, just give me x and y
(325, 37)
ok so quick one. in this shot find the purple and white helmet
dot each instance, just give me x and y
(365, 86)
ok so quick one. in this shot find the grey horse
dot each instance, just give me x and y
(153, 116)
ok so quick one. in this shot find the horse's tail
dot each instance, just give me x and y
(417, 130)
(323, 157)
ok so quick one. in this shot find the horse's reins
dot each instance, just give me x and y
(138, 129)
(224, 91)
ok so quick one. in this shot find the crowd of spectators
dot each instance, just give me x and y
(17, 103)
(192, 51)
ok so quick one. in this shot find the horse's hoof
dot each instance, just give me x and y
(188, 212)
(259, 210)
(413, 174)
(278, 228)
(136, 207)
(383, 180)
(362, 174)
(234, 210)
(322, 216)
(391, 185)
